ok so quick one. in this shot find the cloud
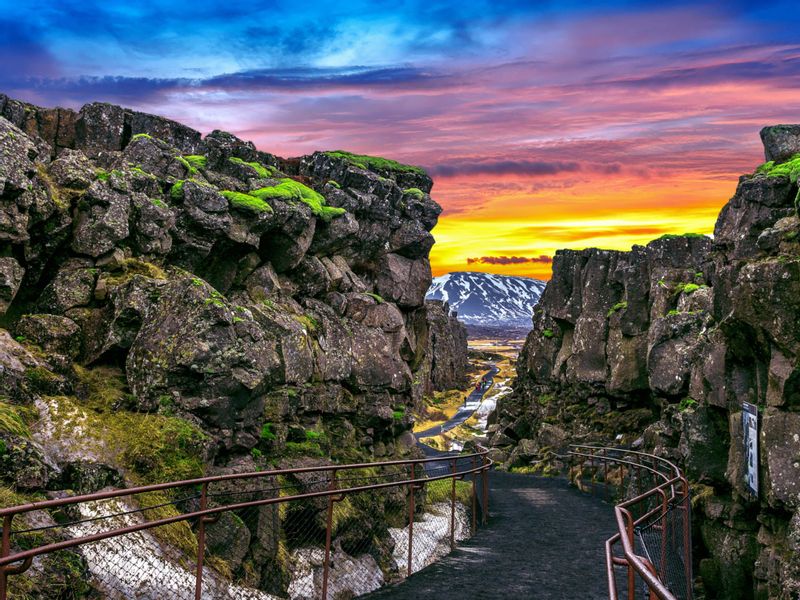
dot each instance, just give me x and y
(506, 167)
(510, 260)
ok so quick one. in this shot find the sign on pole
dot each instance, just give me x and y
(750, 425)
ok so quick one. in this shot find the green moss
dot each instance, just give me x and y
(142, 173)
(247, 202)
(135, 266)
(617, 307)
(198, 161)
(266, 433)
(312, 436)
(399, 414)
(190, 168)
(335, 184)
(307, 321)
(102, 174)
(548, 333)
(688, 288)
(415, 192)
(673, 312)
(304, 449)
(544, 399)
(376, 163)
(158, 203)
(260, 169)
(789, 168)
(379, 299)
(687, 404)
(176, 191)
(140, 136)
(289, 189)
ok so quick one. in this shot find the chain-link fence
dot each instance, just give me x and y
(318, 532)
(652, 507)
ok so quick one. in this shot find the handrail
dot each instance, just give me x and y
(674, 494)
(459, 467)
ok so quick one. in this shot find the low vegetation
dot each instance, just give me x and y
(248, 202)
(261, 170)
(289, 190)
(376, 163)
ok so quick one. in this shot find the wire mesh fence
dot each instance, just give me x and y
(652, 505)
(326, 532)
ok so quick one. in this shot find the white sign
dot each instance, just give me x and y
(750, 425)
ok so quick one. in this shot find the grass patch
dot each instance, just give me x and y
(399, 413)
(15, 419)
(441, 490)
(260, 169)
(247, 202)
(617, 307)
(376, 163)
(289, 189)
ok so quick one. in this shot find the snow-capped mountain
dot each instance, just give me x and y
(488, 300)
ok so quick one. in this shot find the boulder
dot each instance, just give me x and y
(781, 142)
(402, 280)
(102, 221)
(53, 333)
(100, 127)
(11, 273)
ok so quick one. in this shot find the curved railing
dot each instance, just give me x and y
(307, 508)
(653, 517)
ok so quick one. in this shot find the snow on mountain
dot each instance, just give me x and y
(488, 300)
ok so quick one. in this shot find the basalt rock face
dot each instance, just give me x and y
(139, 277)
(659, 346)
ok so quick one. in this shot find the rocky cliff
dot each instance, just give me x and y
(174, 304)
(659, 346)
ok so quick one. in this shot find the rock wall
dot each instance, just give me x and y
(255, 310)
(659, 346)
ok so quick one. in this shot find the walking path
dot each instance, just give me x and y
(545, 541)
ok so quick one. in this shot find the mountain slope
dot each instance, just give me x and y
(488, 300)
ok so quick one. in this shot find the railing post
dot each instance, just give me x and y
(631, 572)
(453, 508)
(664, 533)
(485, 479)
(474, 497)
(411, 517)
(5, 550)
(328, 533)
(201, 544)
(605, 474)
(687, 537)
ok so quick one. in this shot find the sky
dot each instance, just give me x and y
(545, 125)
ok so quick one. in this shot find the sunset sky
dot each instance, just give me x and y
(544, 124)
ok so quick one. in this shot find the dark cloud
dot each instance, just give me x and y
(506, 167)
(510, 260)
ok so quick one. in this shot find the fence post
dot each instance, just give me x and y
(201, 544)
(5, 549)
(687, 536)
(328, 532)
(453, 508)
(485, 477)
(474, 497)
(631, 572)
(411, 517)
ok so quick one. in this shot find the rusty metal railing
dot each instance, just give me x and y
(653, 515)
(316, 509)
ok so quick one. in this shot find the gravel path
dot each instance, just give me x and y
(545, 541)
